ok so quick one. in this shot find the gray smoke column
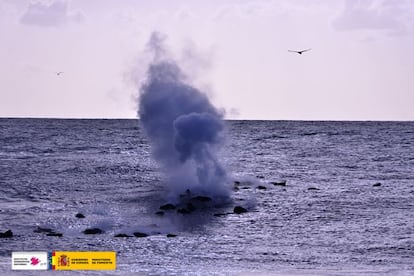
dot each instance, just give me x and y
(183, 127)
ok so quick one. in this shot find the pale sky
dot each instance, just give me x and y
(361, 66)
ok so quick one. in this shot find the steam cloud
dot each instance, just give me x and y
(183, 127)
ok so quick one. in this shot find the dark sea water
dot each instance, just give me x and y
(329, 219)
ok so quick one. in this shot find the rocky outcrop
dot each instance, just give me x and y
(221, 214)
(54, 234)
(239, 210)
(183, 211)
(201, 199)
(48, 231)
(7, 234)
(92, 231)
(79, 215)
(122, 236)
(140, 234)
(191, 207)
(167, 207)
(42, 230)
(279, 183)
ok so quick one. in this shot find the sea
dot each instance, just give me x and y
(322, 198)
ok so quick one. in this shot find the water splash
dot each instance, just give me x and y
(184, 128)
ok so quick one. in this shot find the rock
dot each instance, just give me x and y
(279, 183)
(42, 230)
(48, 231)
(79, 215)
(122, 236)
(140, 235)
(92, 231)
(183, 211)
(186, 195)
(201, 198)
(171, 235)
(237, 182)
(239, 210)
(167, 206)
(377, 184)
(7, 234)
(159, 213)
(260, 176)
(220, 215)
(54, 234)
(261, 187)
(191, 207)
(187, 210)
(313, 189)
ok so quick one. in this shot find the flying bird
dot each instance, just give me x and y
(59, 73)
(299, 52)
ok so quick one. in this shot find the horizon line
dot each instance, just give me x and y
(225, 119)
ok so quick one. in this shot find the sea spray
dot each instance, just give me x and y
(183, 127)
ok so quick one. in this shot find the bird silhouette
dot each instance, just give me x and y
(299, 52)
(59, 73)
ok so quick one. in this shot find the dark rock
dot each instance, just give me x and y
(260, 176)
(190, 207)
(261, 187)
(92, 231)
(279, 183)
(54, 234)
(171, 235)
(237, 182)
(48, 231)
(159, 213)
(79, 215)
(239, 210)
(7, 234)
(313, 189)
(168, 206)
(183, 211)
(186, 195)
(377, 185)
(122, 236)
(42, 230)
(220, 215)
(140, 234)
(201, 198)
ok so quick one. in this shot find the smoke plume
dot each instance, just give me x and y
(183, 127)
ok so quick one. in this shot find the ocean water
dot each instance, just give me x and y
(329, 219)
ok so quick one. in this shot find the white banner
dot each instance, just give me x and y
(30, 261)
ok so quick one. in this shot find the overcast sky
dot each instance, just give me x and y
(361, 66)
